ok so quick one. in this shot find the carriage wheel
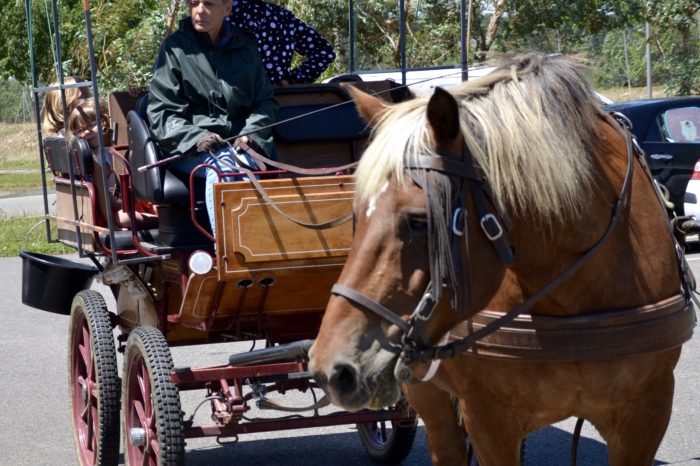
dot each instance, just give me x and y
(152, 417)
(94, 383)
(388, 442)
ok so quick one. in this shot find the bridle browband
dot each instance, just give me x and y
(411, 349)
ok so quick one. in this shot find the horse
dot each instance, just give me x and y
(510, 246)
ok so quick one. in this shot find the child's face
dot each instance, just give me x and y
(89, 133)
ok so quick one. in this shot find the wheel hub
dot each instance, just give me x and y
(137, 437)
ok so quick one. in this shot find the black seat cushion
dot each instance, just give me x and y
(320, 123)
(58, 155)
(157, 184)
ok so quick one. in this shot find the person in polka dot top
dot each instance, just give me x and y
(280, 35)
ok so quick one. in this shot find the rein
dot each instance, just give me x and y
(413, 350)
(248, 171)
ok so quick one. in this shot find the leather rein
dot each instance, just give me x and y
(412, 349)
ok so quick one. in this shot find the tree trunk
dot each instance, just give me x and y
(491, 30)
(171, 16)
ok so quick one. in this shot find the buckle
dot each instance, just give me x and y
(456, 217)
(492, 228)
(427, 302)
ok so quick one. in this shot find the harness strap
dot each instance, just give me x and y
(604, 335)
(258, 157)
(362, 300)
(451, 349)
(447, 164)
(263, 193)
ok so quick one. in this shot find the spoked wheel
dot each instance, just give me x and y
(388, 442)
(152, 418)
(94, 383)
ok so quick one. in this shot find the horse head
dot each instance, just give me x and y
(356, 353)
(479, 195)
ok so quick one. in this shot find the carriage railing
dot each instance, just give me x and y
(37, 90)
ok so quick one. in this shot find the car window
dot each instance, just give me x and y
(681, 125)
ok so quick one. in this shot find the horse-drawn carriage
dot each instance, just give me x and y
(484, 217)
(266, 275)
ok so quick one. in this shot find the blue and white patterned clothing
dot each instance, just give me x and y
(223, 161)
(280, 34)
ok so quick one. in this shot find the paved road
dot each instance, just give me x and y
(35, 428)
(13, 204)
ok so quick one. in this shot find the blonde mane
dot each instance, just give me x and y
(530, 125)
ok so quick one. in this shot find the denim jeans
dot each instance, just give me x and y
(224, 161)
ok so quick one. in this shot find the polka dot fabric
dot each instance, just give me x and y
(280, 35)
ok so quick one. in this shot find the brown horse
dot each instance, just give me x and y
(479, 199)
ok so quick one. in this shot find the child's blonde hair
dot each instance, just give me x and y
(84, 115)
(52, 112)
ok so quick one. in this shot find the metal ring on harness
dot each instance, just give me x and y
(456, 217)
(491, 227)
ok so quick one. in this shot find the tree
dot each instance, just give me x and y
(677, 28)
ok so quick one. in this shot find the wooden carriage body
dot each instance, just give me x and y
(270, 276)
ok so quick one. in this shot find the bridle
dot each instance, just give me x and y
(495, 227)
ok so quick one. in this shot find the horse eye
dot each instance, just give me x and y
(417, 223)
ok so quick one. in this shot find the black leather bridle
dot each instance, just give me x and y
(412, 349)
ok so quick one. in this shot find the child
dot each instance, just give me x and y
(82, 123)
(52, 111)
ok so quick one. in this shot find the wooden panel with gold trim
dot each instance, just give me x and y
(253, 237)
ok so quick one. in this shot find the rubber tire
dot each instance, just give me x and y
(90, 321)
(148, 355)
(397, 445)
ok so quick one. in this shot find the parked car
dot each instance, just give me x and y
(669, 132)
(691, 204)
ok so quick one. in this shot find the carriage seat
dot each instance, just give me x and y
(169, 192)
(58, 154)
(324, 124)
(327, 131)
(157, 185)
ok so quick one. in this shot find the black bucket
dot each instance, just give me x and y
(50, 283)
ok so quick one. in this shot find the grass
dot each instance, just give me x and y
(19, 150)
(19, 181)
(13, 233)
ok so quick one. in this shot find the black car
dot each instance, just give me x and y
(669, 132)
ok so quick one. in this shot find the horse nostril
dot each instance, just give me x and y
(344, 378)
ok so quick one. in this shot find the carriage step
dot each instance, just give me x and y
(294, 351)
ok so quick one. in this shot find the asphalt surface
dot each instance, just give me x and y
(36, 427)
(29, 203)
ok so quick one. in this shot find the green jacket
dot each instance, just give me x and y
(197, 87)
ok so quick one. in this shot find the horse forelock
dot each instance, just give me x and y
(530, 125)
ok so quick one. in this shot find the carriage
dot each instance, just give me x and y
(266, 277)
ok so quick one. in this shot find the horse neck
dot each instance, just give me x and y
(636, 266)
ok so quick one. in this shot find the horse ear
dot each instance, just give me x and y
(367, 105)
(443, 115)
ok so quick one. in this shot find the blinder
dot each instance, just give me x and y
(464, 170)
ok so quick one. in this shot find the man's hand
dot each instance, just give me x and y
(210, 142)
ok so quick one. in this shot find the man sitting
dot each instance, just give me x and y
(209, 85)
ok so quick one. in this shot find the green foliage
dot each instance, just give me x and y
(13, 237)
(15, 102)
(127, 35)
(678, 31)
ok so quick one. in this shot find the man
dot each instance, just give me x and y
(209, 84)
(280, 35)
